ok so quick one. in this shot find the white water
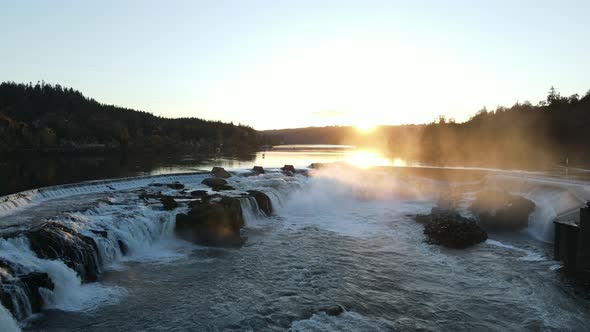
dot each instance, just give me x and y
(552, 197)
(7, 322)
(350, 204)
(11, 203)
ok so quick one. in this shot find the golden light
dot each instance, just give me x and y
(365, 127)
(367, 159)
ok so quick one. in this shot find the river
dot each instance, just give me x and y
(343, 236)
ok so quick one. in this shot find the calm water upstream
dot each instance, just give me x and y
(340, 237)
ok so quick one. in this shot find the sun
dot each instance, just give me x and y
(365, 126)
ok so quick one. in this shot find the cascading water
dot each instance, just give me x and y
(340, 236)
(72, 248)
(552, 198)
(7, 322)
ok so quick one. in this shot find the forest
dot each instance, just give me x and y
(554, 131)
(50, 118)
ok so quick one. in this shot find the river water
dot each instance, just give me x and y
(343, 236)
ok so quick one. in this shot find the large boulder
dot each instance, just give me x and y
(217, 184)
(288, 170)
(31, 284)
(220, 172)
(212, 223)
(452, 231)
(56, 241)
(258, 170)
(499, 210)
(14, 290)
(263, 201)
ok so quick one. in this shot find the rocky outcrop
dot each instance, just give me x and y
(215, 222)
(220, 172)
(168, 203)
(317, 165)
(499, 210)
(288, 170)
(217, 184)
(452, 231)
(263, 201)
(14, 290)
(77, 251)
(258, 170)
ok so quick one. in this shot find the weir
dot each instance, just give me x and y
(39, 268)
(47, 264)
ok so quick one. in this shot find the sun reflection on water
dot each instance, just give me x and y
(368, 159)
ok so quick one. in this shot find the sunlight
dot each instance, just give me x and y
(365, 127)
(367, 159)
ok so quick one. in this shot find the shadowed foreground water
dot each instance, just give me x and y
(334, 243)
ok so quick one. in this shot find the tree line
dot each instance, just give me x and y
(45, 116)
(554, 131)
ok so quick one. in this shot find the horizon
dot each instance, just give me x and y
(329, 64)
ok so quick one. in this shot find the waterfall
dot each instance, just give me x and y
(53, 263)
(7, 322)
(552, 197)
(12, 202)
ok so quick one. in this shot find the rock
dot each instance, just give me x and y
(175, 185)
(454, 232)
(104, 234)
(123, 247)
(334, 310)
(220, 172)
(317, 165)
(12, 292)
(32, 282)
(258, 170)
(168, 203)
(56, 241)
(288, 169)
(199, 193)
(499, 210)
(217, 184)
(212, 223)
(263, 201)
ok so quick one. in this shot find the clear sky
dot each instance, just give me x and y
(280, 64)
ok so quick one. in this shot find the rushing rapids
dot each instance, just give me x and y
(334, 250)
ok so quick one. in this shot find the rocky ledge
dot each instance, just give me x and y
(449, 229)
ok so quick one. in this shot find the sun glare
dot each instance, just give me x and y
(365, 127)
(367, 159)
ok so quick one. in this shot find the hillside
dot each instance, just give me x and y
(50, 117)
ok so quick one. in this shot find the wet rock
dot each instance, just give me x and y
(101, 233)
(317, 165)
(56, 241)
(199, 193)
(220, 172)
(288, 170)
(334, 310)
(453, 232)
(175, 185)
(258, 170)
(32, 282)
(263, 201)
(500, 210)
(19, 293)
(123, 247)
(168, 203)
(212, 223)
(217, 184)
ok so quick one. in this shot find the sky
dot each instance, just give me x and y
(284, 64)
